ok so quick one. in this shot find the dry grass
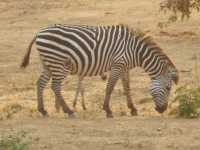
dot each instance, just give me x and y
(20, 20)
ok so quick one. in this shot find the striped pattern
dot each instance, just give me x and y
(90, 51)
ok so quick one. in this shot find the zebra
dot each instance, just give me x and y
(92, 50)
(79, 89)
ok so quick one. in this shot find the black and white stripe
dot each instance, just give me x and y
(93, 50)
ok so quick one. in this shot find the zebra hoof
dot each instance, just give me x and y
(44, 113)
(84, 108)
(103, 77)
(109, 116)
(134, 112)
(72, 116)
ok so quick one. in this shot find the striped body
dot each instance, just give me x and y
(93, 50)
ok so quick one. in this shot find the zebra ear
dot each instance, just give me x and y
(172, 72)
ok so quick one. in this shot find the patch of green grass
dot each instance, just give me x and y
(188, 98)
(15, 141)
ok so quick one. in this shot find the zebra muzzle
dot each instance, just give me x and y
(161, 109)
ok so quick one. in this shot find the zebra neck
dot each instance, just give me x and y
(155, 69)
(146, 58)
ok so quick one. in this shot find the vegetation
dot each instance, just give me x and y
(10, 110)
(189, 101)
(178, 10)
(15, 141)
(188, 96)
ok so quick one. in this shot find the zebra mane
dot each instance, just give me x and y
(150, 41)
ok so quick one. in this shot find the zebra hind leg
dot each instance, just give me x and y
(126, 86)
(80, 89)
(41, 84)
(77, 92)
(113, 78)
(83, 98)
(56, 87)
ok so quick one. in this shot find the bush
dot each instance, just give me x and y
(178, 10)
(188, 98)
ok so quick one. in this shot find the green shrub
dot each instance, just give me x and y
(188, 98)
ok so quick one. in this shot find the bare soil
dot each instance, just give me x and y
(20, 21)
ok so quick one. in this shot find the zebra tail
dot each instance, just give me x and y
(26, 58)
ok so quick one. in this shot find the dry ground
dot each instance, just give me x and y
(20, 20)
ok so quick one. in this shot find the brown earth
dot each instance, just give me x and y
(20, 21)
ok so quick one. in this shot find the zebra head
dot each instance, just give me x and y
(160, 88)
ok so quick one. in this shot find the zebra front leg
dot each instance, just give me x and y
(41, 84)
(56, 87)
(126, 86)
(114, 76)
